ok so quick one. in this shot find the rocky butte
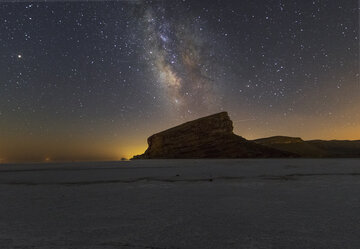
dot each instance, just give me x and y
(207, 137)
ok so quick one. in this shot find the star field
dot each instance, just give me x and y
(92, 80)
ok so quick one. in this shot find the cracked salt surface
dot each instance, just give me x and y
(179, 204)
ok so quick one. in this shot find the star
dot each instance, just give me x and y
(168, 62)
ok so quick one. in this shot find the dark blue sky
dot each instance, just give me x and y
(91, 80)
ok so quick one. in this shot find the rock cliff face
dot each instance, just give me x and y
(208, 137)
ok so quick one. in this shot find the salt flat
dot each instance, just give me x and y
(252, 203)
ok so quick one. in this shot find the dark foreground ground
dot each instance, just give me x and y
(287, 203)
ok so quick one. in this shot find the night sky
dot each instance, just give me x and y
(92, 80)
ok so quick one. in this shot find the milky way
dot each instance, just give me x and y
(180, 59)
(91, 80)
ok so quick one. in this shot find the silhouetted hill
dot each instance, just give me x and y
(313, 148)
(338, 148)
(208, 137)
(294, 145)
(279, 139)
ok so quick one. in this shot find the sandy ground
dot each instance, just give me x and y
(287, 203)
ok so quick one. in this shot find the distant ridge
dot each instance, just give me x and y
(279, 139)
(293, 144)
(338, 148)
(313, 148)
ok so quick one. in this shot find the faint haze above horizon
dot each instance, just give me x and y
(83, 81)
